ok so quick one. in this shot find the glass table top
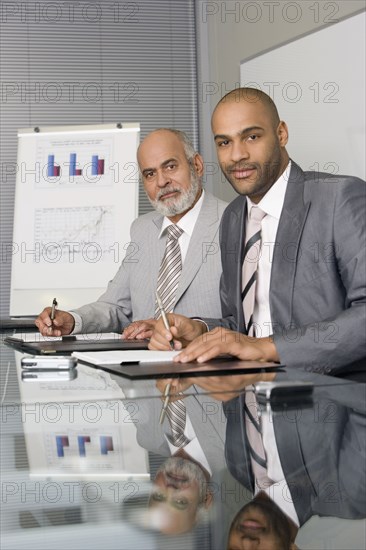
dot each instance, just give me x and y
(85, 463)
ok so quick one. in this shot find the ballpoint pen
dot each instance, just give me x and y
(166, 402)
(53, 309)
(163, 315)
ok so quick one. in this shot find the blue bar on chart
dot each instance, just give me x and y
(72, 168)
(50, 166)
(94, 165)
(97, 166)
(82, 439)
(61, 442)
(106, 444)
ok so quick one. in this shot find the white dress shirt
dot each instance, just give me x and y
(271, 204)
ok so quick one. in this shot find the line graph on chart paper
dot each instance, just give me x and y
(73, 234)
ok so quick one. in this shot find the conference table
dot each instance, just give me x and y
(85, 463)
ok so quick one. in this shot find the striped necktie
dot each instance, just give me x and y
(250, 265)
(252, 420)
(176, 413)
(255, 443)
(168, 280)
(170, 270)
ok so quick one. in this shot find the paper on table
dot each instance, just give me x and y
(85, 337)
(117, 357)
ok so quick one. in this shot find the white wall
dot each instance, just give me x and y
(231, 31)
(320, 97)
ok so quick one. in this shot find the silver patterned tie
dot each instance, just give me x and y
(170, 270)
(249, 275)
(250, 265)
(168, 280)
(176, 413)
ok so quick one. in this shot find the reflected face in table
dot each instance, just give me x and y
(179, 495)
(256, 528)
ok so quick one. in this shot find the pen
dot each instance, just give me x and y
(163, 315)
(166, 402)
(53, 309)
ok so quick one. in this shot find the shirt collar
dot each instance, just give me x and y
(189, 219)
(273, 200)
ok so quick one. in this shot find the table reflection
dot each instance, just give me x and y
(90, 465)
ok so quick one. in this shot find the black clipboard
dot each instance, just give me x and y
(68, 344)
(12, 323)
(216, 367)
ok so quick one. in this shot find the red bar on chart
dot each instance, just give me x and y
(100, 167)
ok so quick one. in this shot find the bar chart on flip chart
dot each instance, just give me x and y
(76, 197)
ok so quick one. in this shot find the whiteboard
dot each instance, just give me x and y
(76, 197)
(318, 85)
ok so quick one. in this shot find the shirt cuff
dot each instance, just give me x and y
(201, 321)
(78, 326)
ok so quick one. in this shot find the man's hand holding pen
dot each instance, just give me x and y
(182, 330)
(54, 323)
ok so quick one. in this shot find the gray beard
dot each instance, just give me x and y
(180, 204)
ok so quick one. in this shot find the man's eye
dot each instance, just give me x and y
(158, 497)
(180, 503)
(149, 174)
(252, 137)
(222, 143)
(170, 166)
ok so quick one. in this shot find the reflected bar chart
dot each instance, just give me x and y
(106, 444)
(61, 442)
(83, 445)
(82, 439)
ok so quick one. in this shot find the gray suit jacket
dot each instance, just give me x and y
(318, 280)
(131, 294)
(321, 447)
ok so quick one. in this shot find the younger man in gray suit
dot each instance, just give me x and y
(310, 296)
(172, 175)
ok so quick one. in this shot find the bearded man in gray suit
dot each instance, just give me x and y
(172, 173)
(310, 295)
(172, 176)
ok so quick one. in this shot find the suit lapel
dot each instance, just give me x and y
(203, 412)
(233, 240)
(156, 252)
(287, 248)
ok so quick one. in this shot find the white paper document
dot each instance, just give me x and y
(119, 357)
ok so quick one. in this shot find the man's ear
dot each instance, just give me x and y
(282, 133)
(209, 499)
(198, 164)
